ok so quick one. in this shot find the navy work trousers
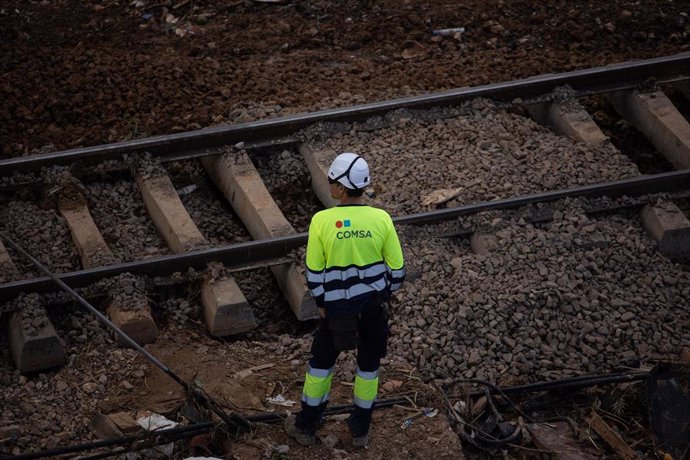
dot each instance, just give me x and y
(372, 328)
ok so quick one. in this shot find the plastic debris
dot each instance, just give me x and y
(448, 32)
(155, 422)
(438, 197)
(426, 412)
(184, 191)
(281, 401)
(430, 413)
(460, 408)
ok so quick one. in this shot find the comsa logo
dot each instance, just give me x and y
(345, 223)
(353, 234)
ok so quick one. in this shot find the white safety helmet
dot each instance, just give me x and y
(350, 170)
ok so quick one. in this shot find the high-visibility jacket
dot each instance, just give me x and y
(353, 253)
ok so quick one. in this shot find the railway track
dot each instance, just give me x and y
(520, 194)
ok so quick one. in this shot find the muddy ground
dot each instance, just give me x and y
(85, 73)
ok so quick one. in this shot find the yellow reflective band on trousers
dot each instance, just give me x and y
(317, 386)
(366, 386)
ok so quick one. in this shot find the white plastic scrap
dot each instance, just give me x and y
(426, 412)
(158, 422)
(281, 449)
(460, 407)
(448, 32)
(281, 401)
(430, 412)
(155, 422)
(184, 191)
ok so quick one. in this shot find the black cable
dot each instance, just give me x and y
(580, 381)
(501, 392)
(181, 432)
(167, 435)
(488, 438)
(490, 402)
(232, 420)
(112, 453)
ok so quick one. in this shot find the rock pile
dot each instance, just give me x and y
(206, 205)
(119, 212)
(487, 151)
(263, 294)
(571, 296)
(145, 165)
(43, 234)
(567, 297)
(180, 310)
(56, 409)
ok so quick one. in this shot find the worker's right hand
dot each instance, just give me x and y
(322, 312)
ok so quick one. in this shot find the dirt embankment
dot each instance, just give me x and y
(90, 73)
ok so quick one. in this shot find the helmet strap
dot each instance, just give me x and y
(347, 173)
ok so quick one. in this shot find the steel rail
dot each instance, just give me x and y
(615, 77)
(250, 253)
(640, 185)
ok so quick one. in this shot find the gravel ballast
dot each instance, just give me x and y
(43, 233)
(120, 214)
(578, 295)
(488, 152)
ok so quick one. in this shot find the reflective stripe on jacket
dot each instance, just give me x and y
(353, 253)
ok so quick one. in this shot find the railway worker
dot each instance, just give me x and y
(354, 262)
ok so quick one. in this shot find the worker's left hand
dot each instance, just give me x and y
(322, 312)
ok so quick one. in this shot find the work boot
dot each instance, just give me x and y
(360, 426)
(361, 441)
(301, 436)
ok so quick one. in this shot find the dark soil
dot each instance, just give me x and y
(88, 73)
